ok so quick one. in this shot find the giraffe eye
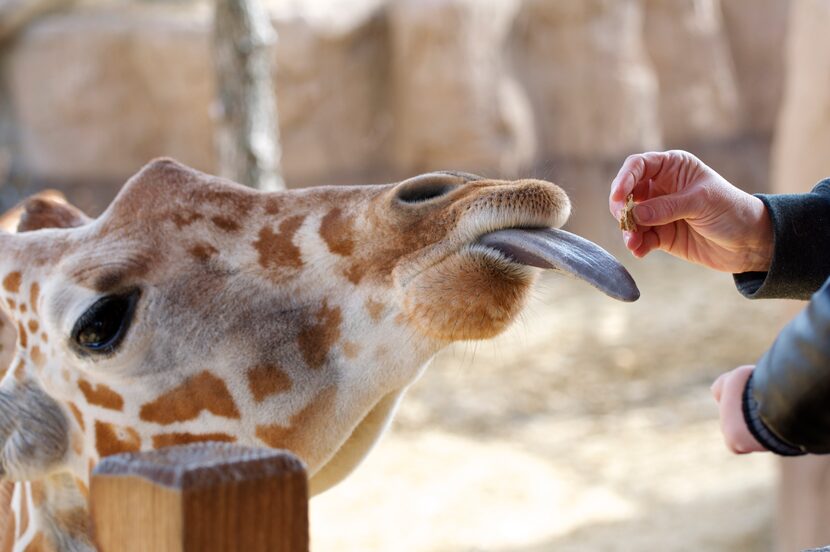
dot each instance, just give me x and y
(102, 327)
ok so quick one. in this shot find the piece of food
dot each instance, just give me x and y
(627, 215)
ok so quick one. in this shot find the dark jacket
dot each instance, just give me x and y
(787, 399)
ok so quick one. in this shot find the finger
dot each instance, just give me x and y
(717, 387)
(650, 242)
(632, 240)
(637, 170)
(735, 432)
(666, 209)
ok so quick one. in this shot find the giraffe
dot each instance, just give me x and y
(196, 309)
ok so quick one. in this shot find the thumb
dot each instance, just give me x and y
(665, 209)
(717, 387)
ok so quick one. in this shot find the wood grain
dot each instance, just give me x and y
(202, 497)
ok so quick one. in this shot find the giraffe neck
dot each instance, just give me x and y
(46, 515)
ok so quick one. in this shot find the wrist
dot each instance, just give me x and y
(760, 248)
(759, 430)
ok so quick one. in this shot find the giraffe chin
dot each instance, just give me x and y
(475, 293)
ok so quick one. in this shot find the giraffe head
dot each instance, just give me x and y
(196, 309)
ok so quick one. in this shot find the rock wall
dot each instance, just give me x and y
(454, 102)
(802, 146)
(593, 87)
(698, 89)
(97, 93)
(373, 90)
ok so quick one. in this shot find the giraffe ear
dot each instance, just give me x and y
(46, 209)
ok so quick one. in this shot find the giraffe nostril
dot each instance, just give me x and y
(425, 188)
(423, 193)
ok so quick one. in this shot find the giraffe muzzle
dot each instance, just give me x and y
(558, 250)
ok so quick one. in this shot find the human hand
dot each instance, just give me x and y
(687, 209)
(728, 391)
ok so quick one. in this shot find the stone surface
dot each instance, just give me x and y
(800, 156)
(332, 75)
(756, 30)
(16, 14)
(589, 77)
(98, 92)
(455, 105)
(689, 49)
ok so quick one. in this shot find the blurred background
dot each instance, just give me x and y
(589, 425)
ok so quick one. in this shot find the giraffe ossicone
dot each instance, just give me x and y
(195, 309)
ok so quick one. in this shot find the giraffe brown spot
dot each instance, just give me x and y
(79, 417)
(238, 201)
(11, 303)
(22, 337)
(225, 223)
(315, 339)
(170, 439)
(77, 443)
(37, 356)
(185, 219)
(82, 488)
(337, 231)
(7, 522)
(20, 370)
(265, 380)
(272, 205)
(38, 493)
(108, 441)
(11, 282)
(303, 424)
(202, 252)
(24, 512)
(355, 273)
(101, 395)
(33, 326)
(204, 391)
(375, 309)
(44, 337)
(34, 295)
(351, 350)
(278, 249)
(23, 308)
(37, 544)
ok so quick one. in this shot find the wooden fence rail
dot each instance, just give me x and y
(205, 497)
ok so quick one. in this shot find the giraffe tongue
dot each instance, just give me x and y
(568, 253)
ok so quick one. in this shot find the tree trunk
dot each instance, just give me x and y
(247, 131)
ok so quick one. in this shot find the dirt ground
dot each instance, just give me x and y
(588, 426)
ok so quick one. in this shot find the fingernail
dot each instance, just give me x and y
(643, 213)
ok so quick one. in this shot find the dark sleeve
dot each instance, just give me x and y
(801, 254)
(787, 399)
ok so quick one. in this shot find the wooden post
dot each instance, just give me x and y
(203, 497)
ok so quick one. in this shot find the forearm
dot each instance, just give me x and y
(801, 258)
(789, 391)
